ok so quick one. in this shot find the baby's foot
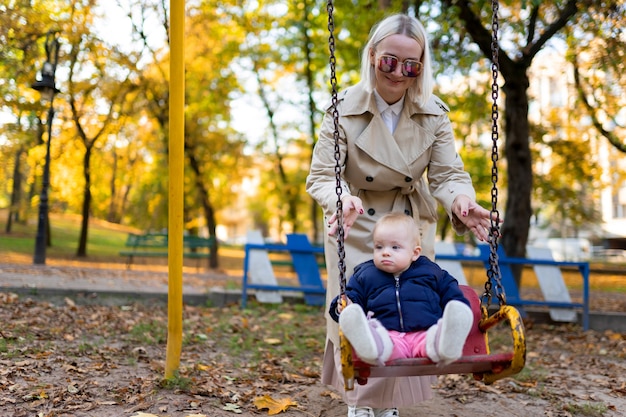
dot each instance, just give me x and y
(369, 339)
(455, 325)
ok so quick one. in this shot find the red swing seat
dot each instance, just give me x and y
(476, 358)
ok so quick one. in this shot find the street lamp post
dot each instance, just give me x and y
(47, 88)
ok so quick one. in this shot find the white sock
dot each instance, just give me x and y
(384, 343)
(431, 342)
(369, 339)
(455, 325)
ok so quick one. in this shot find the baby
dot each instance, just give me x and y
(414, 308)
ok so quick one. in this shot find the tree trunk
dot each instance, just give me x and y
(82, 241)
(209, 213)
(519, 162)
(14, 210)
(112, 215)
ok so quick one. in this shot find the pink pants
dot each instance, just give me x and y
(408, 345)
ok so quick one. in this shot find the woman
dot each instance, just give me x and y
(392, 131)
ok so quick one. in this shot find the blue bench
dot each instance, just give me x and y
(304, 258)
(155, 245)
(507, 279)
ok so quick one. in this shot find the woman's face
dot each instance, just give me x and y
(392, 85)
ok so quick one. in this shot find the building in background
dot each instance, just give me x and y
(552, 94)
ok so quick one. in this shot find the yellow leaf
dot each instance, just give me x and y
(196, 415)
(615, 336)
(286, 316)
(272, 341)
(202, 367)
(274, 406)
(140, 414)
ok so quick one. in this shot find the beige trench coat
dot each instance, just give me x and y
(408, 171)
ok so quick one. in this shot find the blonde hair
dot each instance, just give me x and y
(403, 220)
(400, 24)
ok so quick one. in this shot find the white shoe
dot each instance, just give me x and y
(455, 325)
(369, 339)
(386, 412)
(354, 411)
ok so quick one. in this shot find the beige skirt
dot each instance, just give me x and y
(378, 392)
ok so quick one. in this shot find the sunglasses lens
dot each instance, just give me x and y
(411, 68)
(387, 63)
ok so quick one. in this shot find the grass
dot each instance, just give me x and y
(176, 382)
(587, 409)
(531, 373)
(149, 333)
(105, 241)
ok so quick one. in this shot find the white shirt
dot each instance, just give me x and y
(389, 113)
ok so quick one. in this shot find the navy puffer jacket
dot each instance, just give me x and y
(413, 301)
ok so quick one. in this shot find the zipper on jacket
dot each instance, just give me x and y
(398, 302)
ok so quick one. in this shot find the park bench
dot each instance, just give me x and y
(548, 273)
(288, 262)
(155, 245)
(304, 260)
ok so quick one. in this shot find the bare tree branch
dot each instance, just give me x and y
(592, 111)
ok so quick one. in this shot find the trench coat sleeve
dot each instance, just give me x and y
(447, 177)
(321, 183)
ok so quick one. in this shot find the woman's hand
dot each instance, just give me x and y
(476, 218)
(351, 207)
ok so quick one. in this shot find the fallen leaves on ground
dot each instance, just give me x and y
(106, 361)
(140, 414)
(60, 359)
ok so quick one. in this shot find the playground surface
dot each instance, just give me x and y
(67, 348)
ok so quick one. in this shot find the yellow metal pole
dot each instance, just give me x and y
(176, 173)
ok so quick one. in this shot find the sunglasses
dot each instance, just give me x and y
(410, 67)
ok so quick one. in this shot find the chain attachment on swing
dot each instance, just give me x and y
(493, 273)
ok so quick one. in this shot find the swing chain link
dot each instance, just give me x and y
(493, 274)
(335, 113)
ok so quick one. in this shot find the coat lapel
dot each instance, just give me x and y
(383, 147)
(379, 144)
(409, 141)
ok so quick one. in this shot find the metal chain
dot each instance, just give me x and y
(338, 189)
(493, 273)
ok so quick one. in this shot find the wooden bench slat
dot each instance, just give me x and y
(304, 261)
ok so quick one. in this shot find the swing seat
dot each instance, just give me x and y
(476, 358)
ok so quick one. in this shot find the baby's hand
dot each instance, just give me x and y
(340, 304)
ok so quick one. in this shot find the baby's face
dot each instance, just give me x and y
(394, 248)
